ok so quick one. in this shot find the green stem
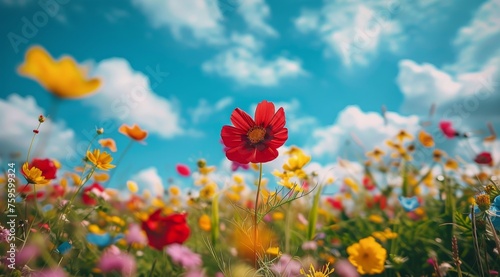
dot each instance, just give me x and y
(31, 143)
(256, 220)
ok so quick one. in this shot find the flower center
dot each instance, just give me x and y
(256, 134)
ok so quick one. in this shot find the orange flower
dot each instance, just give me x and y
(108, 143)
(134, 132)
(376, 154)
(425, 139)
(63, 78)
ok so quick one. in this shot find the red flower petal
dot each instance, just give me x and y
(240, 154)
(183, 170)
(484, 158)
(278, 121)
(266, 155)
(279, 138)
(264, 113)
(232, 137)
(241, 120)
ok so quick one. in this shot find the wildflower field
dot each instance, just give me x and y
(110, 170)
(389, 217)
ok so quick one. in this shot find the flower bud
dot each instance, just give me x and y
(41, 119)
(99, 131)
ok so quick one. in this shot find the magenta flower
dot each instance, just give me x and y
(447, 129)
(236, 165)
(183, 170)
(27, 254)
(113, 260)
(4, 234)
(484, 158)
(136, 235)
(183, 256)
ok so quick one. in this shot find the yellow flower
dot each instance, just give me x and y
(376, 154)
(402, 135)
(375, 218)
(325, 271)
(63, 78)
(100, 160)
(290, 185)
(174, 191)
(96, 229)
(116, 220)
(368, 256)
(132, 186)
(385, 235)
(33, 175)
(437, 155)
(108, 143)
(296, 162)
(451, 164)
(425, 139)
(351, 184)
(232, 196)
(238, 179)
(134, 132)
(275, 251)
(204, 223)
(278, 216)
(206, 170)
(208, 191)
(100, 177)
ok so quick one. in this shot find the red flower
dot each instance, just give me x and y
(47, 166)
(336, 203)
(57, 191)
(368, 183)
(255, 141)
(484, 158)
(183, 170)
(165, 230)
(447, 129)
(86, 198)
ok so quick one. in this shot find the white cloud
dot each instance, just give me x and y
(246, 40)
(369, 129)
(201, 18)
(423, 85)
(354, 31)
(479, 41)
(148, 179)
(126, 96)
(204, 109)
(19, 115)
(247, 66)
(255, 12)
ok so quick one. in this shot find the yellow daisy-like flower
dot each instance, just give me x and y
(324, 272)
(376, 153)
(451, 164)
(204, 223)
(100, 160)
(208, 191)
(425, 139)
(375, 218)
(296, 162)
(351, 184)
(33, 175)
(368, 256)
(63, 78)
(290, 185)
(274, 251)
(402, 135)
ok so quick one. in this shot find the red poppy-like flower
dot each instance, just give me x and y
(57, 191)
(165, 230)
(447, 129)
(368, 183)
(183, 170)
(47, 166)
(336, 203)
(484, 158)
(86, 198)
(256, 141)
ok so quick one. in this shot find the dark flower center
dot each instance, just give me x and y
(256, 134)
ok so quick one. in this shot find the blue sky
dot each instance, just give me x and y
(331, 64)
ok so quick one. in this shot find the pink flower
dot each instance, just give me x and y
(236, 165)
(136, 235)
(183, 170)
(309, 245)
(183, 256)
(287, 266)
(113, 260)
(28, 253)
(4, 234)
(447, 129)
(344, 268)
(195, 273)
